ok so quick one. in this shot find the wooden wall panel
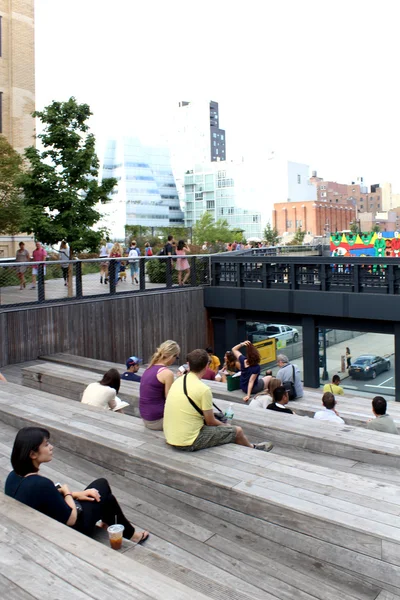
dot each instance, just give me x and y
(109, 329)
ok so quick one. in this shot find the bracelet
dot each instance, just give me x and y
(68, 495)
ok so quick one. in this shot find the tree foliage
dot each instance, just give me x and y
(298, 238)
(61, 187)
(271, 235)
(208, 230)
(12, 210)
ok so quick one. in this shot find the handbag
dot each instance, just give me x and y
(219, 415)
(289, 387)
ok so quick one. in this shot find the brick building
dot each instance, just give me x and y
(355, 193)
(17, 72)
(316, 218)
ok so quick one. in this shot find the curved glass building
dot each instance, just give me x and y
(146, 193)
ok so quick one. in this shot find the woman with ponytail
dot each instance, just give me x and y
(155, 384)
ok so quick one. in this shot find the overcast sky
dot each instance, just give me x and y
(315, 80)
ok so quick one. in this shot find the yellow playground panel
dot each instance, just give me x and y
(267, 350)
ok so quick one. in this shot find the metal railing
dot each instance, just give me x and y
(357, 275)
(32, 283)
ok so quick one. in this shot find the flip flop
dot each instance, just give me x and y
(144, 537)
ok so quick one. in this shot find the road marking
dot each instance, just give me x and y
(350, 387)
(386, 380)
(387, 387)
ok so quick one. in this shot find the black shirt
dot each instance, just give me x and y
(273, 406)
(128, 376)
(168, 249)
(39, 493)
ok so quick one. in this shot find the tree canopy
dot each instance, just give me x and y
(12, 210)
(271, 235)
(61, 188)
(208, 230)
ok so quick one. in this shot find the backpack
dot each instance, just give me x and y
(162, 252)
(289, 386)
(149, 252)
(133, 253)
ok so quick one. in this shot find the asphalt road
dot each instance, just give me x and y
(383, 384)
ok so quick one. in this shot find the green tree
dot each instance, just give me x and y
(298, 238)
(208, 230)
(375, 228)
(271, 235)
(12, 209)
(60, 187)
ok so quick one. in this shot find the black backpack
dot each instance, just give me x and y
(289, 386)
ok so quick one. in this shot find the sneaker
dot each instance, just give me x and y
(266, 446)
(33, 287)
(101, 280)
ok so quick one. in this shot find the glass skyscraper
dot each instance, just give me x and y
(146, 193)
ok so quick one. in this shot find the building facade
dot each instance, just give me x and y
(225, 190)
(146, 193)
(196, 137)
(356, 193)
(17, 72)
(313, 218)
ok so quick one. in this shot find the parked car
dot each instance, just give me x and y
(259, 331)
(368, 366)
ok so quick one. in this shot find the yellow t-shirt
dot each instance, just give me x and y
(335, 389)
(182, 423)
(215, 363)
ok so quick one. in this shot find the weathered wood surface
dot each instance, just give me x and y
(110, 329)
(328, 506)
(178, 549)
(49, 560)
(327, 438)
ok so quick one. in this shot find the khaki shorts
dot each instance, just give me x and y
(154, 425)
(212, 436)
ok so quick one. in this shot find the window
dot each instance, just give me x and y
(299, 223)
(210, 204)
(221, 174)
(214, 135)
(288, 224)
(323, 194)
(222, 138)
(214, 143)
(378, 206)
(298, 178)
(216, 151)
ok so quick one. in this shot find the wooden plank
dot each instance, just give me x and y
(143, 579)
(49, 331)
(12, 591)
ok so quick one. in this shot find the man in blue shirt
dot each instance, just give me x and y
(132, 366)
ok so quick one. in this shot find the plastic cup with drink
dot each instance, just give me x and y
(115, 536)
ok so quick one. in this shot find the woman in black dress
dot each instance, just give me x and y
(80, 510)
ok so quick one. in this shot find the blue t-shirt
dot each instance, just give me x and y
(246, 373)
(128, 376)
(39, 493)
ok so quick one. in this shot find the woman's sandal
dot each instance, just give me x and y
(143, 538)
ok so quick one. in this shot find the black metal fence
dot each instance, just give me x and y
(357, 275)
(60, 281)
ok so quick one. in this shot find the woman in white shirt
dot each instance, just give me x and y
(262, 400)
(103, 394)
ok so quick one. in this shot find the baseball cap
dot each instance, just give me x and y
(133, 360)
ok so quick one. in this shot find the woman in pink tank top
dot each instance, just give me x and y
(182, 264)
(155, 384)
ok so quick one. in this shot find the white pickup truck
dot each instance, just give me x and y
(260, 331)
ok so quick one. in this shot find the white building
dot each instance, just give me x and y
(195, 138)
(225, 190)
(146, 193)
(245, 192)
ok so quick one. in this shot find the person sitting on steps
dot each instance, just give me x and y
(280, 398)
(189, 421)
(382, 421)
(31, 449)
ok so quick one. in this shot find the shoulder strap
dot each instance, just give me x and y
(331, 388)
(293, 374)
(189, 398)
(194, 403)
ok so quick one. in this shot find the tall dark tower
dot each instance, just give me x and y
(217, 135)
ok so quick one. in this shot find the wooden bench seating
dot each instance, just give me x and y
(337, 440)
(82, 362)
(199, 549)
(345, 520)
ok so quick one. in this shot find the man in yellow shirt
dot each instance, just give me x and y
(334, 387)
(188, 428)
(215, 363)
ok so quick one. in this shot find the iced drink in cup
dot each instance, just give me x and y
(115, 536)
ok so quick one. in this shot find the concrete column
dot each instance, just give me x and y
(397, 361)
(310, 353)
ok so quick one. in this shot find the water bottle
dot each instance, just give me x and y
(229, 413)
